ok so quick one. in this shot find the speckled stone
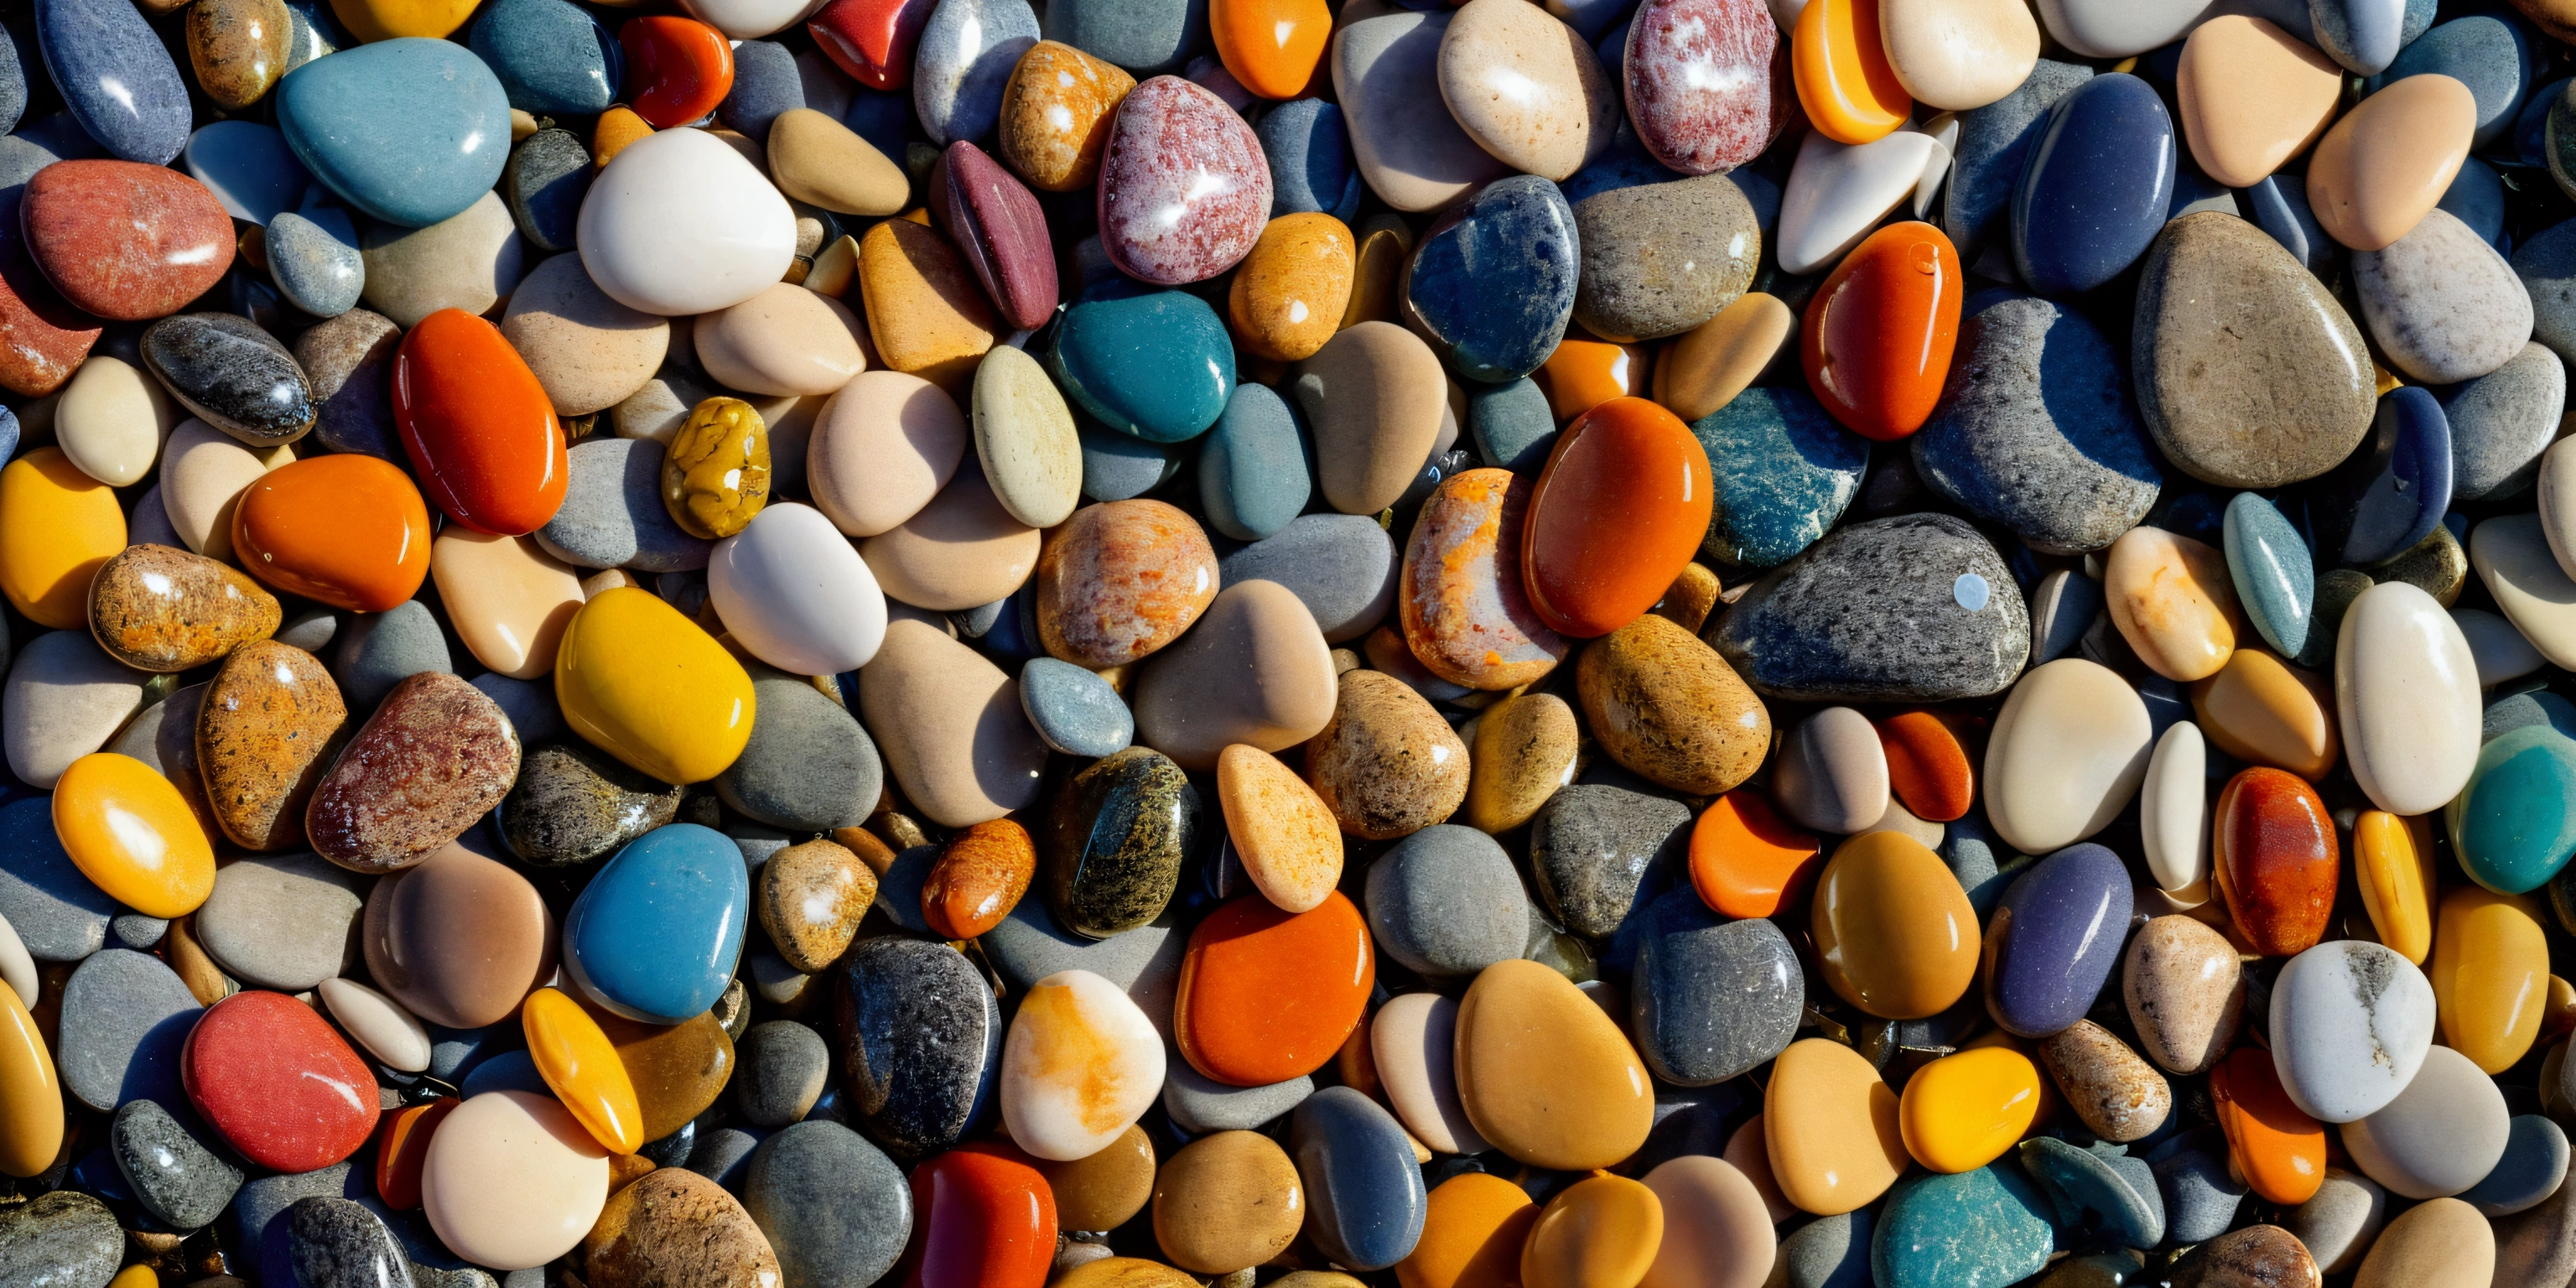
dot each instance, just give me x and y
(1492, 284)
(1116, 838)
(313, 257)
(1074, 711)
(1783, 472)
(115, 76)
(125, 1017)
(232, 375)
(2501, 422)
(1661, 253)
(809, 767)
(920, 1044)
(1711, 998)
(1912, 609)
(573, 803)
(2546, 263)
(338, 1243)
(543, 185)
(433, 760)
(349, 361)
(64, 1238)
(1986, 1225)
(1591, 846)
(2257, 1256)
(1343, 567)
(56, 912)
(613, 515)
(2441, 302)
(1446, 903)
(175, 1177)
(836, 1210)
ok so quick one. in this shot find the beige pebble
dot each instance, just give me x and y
(2173, 601)
(1376, 397)
(1025, 436)
(1717, 1228)
(1414, 1040)
(1953, 55)
(1526, 88)
(2185, 991)
(2067, 753)
(2251, 97)
(882, 448)
(963, 549)
(512, 1180)
(785, 340)
(1831, 773)
(2436, 1243)
(112, 419)
(1408, 147)
(2381, 169)
(508, 599)
(589, 351)
(379, 1024)
(1705, 367)
(950, 726)
(1254, 670)
(203, 473)
(1387, 764)
(2119, 1096)
(467, 261)
(815, 159)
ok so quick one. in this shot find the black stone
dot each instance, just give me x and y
(335, 1243)
(1711, 998)
(232, 375)
(837, 1211)
(573, 803)
(809, 767)
(1591, 846)
(543, 184)
(920, 1043)
(1116, 838)
(183, 1184)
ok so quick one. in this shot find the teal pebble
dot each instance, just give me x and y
(1255, 470)
(1781, 470)
(1980, 1229)
(2533, 1167)
(410, 131)
(1151, 363)
(2101, 1188)
(2512, 826)
(1075, 711)
(1117, 467)
(551, 55)
(2275, 579)
(1513, 424)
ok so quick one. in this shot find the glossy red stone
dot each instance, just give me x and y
(1619, 511)
(677, 69)
(2276, 859)
(479, 429)
(1184, 187)
(1000, 230)
(1878, 335)
(983, 1217)
(123, 240)
(1708, 82)
(872, 40)
(42, 338)
(279, 1084)
(1266, 994)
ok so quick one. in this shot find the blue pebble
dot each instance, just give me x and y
(313, 256)
(1364, 1193)
(967, 53)
(410, 131)
(1153, 363)
(1143, 37)
(1989, 1226)
(2492, 53)
(2275, 579)
(724, 1155)
(1782, 471)
(2098, 1188)
(1074, 710)
(1514, 425)
(2096, 187)
(656, 934)
(2055, 939)
(2195, 192)
(765, 85)
(2199, 1195)
(551, 56)
(512, 1070)
(453, 1053)
(9, 434)
(2363, 35)
(2533, 1167)
(117, 77)
(2476, 198)
(1254, 470)
(2392, 490)
(1309, 147)
(1492, 282)
(248, 167)
(2539, 707)
(2529, 143)
(883, 118)
(1117, 467)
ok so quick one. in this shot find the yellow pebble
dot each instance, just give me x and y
(374, 20)
(1385, 243)
(57, 525)
(31, 1101)
(2392, 859)
(715, 475)
(577, 1060)
(132, 834)
(617, 127)
(925, 309)
(1829, 1124)
(1963, 1111)
(649, 687)
(2490, 976)
(135, 1276)
(1600, 1232)
(1290, 294)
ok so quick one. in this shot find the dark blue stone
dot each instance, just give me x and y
(658, 932)
(551, 56)
(513, 1070)
(2533, 1167)
(1493, 281)
(2392, 490)
(1994, 142)
(453, 1053)
(920, 1044)
(2493, 53)
(2055, 939)
(765, 84)
(2095, 188)
(2476, 198)
(1254, 469)
(884, 119)
(1782, 471)
(1153, 363)
(1711, 998)
(1364, 1193)
(116, 77)
(1962, 1230)
(1309, 147)
(2100, 1188)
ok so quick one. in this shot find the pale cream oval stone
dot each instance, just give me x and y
(1526, 88)
(950, 725)
(1414, 1040)
(588, 351)
(2251, 97)
(1953, 55)
(2440, 1136)
(1081, 1065)
(1025, 436)
(378, 1022)
(512, 1180)
(2406, 699)
(508, 599)
(203, 473)
(785, 340)
(884, 445)
(64, 699)
(2173, 813)
(2119, 28)
(962, 550)
(2068, 750)
(1837, 192)
(112, 419)
(2557, 489)
(2444, 1241)
(1254, 669)
(1831, 772)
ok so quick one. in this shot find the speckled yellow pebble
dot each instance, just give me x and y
(715, 475)
(646, 685)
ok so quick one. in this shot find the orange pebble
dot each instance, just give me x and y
(1880, 331)
(978, 879)
(402, 1146)
(1271, 46)
(1747, 861)
(1620, 509)
(2279, 1149)
(1268, 995)
(1927, 768)
(1845, 81)
(677, 69)
(347, 529)
(1583, 374)
(1472, 1234)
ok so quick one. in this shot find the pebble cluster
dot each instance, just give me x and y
(1277, 644)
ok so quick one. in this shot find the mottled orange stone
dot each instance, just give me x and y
(2276, 857)
(978, 878)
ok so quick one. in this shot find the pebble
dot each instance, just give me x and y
(1409, 149)
(231, 374)
(1200, 1104)
(1445, 903)
(1595, 1109)
(1372, 396)
(437, 745)
(1688, 958)
(1516, 240)
(1226, 1202)
(1831, 1129)
(623, 937)
(2440, 302)
(2115, 1094)
(116, 78)
(2184, 990)
(2495, 422)
(2396, 627)
(281, 923)
(2380, 170)
(173, 1176)
(124, 1019)
(674, 1227)
(2440, 1135)
(659, 211)
(1252, 949)
(1366, 1198)
(62, 1233)
(1823, 627)
(831, 1204)
(277, 1082)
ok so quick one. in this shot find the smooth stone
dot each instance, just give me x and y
(881, 449)
(2269, 566)
(1410, 150)
(2172, 601)
(2441, 1239)
(173, 1176)
(573, 803)
(833, 1207)
(2533, 1168)
(1688, 959)
(316, 262)
(2100, 1186)
(1166, 389)
(1514, 239)
(1254, 475)
(1368, 762)
(2380, 170)
(2441, 303)
(1445, 903)
(1073, 710)
(282, 923)
(64, 699)
(1412, 1047)
(1373, 396)
(2502, 422)
(277, 1082)
(1595, 1107)
(612, 515)
(405, 130)
(588, 351)
(1184, 189)
(2184, 991)
(2441, 1135)
(1821, 627)
(1199, 1104)
(1118, 833)
(1990, 1222)
(809, 897)
(961, 551)
(377, 1024)
(124, 1020)
(2487, 974)
(2500, 649)
(348, 361)
(1690, 114)
(2200, 1198)
(1080, 1065)
(381, 650)
(1026, 439)
(2256, 1254)
(2097, 188)
(438, 746)
(508, 599)
(54, 911)
(116, 78)
(2046, 959)
(1366, 1198)
(1231, 1198)
(231, 374)
(795, 593)
(1592, 847)
(623, 939)
(1308, 143)
(1028, 946)
(949, 726)
(2349, 1022)
(2251, 96)
(1838, 192)
(809, 767)
(1525, 90)
(1831, 1129)
(1992, 144)
(2116, 1095)
(2409, 755)
(2534, 1243)
(1466, 614)
(551, 57)
(920, 1044)
(783, 1070)
(544, 184)
(124, 241)
(1829, 1252)
(2502, 825)
(62, 525)
(679, 223)
(964, 61)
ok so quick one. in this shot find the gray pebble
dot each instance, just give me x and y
(311, 630)
(183, 1184)
(2441, 302)
(283, 922)
(724, 1155)
(125, 1018)
(55, 910)
(613, 515)
(1075, 711)
(64, 1239)
(757, 842)
(765, 86)
(335, 1243)
(967, 52)
(1343, 567)
(454, 1052)
(543, 184)
(1146, 962)
(313, 257)
(1591, 846)
(2341, 1221)
(1514, 425)
(781, 1068)
(574, 803)
(1119, 467)
(1711, 998)
(136, 931)
(1986, 165)
(1661, 253)
(530, 705)
(1446, 903)
(809, 767)
(1828, 1252)
(837, 1211)
(1199, 1104)
(2502, 421)
(2062, 607)
(350, 361)
(374, 652)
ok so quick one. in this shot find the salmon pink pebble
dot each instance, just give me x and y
(1184, 187)
(278, 1083)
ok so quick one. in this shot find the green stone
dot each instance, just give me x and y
(1116, 839)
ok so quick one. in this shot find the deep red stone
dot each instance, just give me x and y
(479, 429)
(2277, 860)
(997, 223)
(278, 1082)
(1184, 187)
(872, 40)
(1708, 82)
(126, 241)
(983, 1217)
(677, 69)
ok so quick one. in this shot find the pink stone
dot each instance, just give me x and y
(1708, 82)
(997, 223)
(126, 241)
(1184, 188)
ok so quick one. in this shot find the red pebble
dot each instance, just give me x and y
(1000, 229)
(677, 69)
(872, 40)
(983, 1217)
(1927, 766)
(126, 241)
(1618, 513)
(2277, 860)
(279, 1084)
(479, 429)
(1184, 187)
(1880, 330)
(1708, 82)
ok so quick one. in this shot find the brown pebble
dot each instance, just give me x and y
(2119, 1096)
(810, 899)
(978, 878)
(1107, 1189)
(435, 758)
(1387, 765)
(1668, 707)
(677, 1229)
(1525, 750)
(158, 609)
(1227, 1202)
(1691, 599)
(2185, 990)
(2258, 1256)
(1120, 580)
(270, 722)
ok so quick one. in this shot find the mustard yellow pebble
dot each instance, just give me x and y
(1289, 295)
(2490, 976)
(57, 526)
(646, 685)
(374, 20)
(581, 1065)
(133, 835)
(31, 1099)
(2392, 860)
(1963, 1111)
(1600, 1232)
(715, 476)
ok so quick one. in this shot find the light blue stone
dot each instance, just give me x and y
(1118, 467)
(1781, 472)
(248, 167)
(1254, 470)
(1980, 1229)
(2275, 579)
(967, 52)
(1514, 425)
(2363, 35)
(2101, 1187)
(2533, 1167)
(2514, 826)
(1074, 710)
(659, 930)
(2492, 53)
(115, 76)
(1308, 143)
(1153, 363)
(410, 131)
(314, 258)
(551, 56)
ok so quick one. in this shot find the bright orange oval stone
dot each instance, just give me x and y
(1879, 333)
(1747, 861)
(346, 529)
(1845, 81)
(1583, 374)
(983, 1217)
(479, 429)
(978, 879)
(1271, 46)
(2279, 1149)
(1927, 767)
(1620, 509)
(1268, 995)
(677, 69)
(2276, 856)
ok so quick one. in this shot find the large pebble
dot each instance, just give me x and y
(2406, 699)
(2441, 302)
(679, 223)
(1826, 626)
(2438, 1136)
(282, 923)
(1585, 1105)
(950, 726)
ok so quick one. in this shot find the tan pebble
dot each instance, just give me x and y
(1830, 1126)
(1694, 595)
(1413, 1041)
(2382, 168)
(925, 310)
(1831, 774)
(2436, 1242)
(2173, 601)
(203, 473)
(270, 725)
(1954, 55)
(163, 610)
(1704, 368)
(469, 261)
(2185, 991)
(1717, 1231)
(1545, 1076)
(2257, 1256)
(1526, 88)
(1025, 437)
(1286, 838)
(2260, 710)
(677, 1229)
(1227, 1202)
(963, 549)
(815, 159)
(1376, 398)
(1255, 671)
(1387, 764)
(2119, 1096)
(1525, 749)
(810, 897)
(1105, 1190)
(950, 725)
(785, 340)
(508, 599)
(1056, 113)
(882, 447)
(111, 420)
(589, 351)
(1668, 707)
(2251, 96)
